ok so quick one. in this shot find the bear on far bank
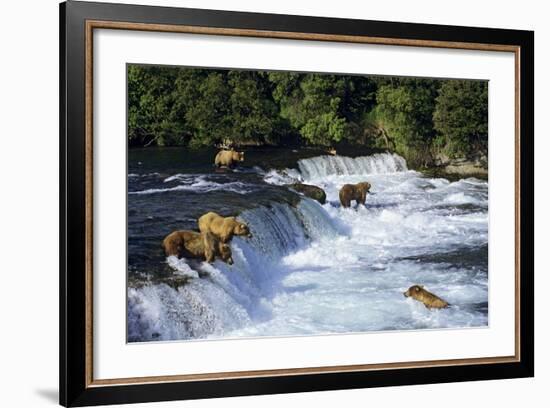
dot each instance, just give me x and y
(191, 244)
(357, 192)
(430, 300)
(222, 227)
(228, 158)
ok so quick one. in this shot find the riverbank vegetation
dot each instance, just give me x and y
(421, 119)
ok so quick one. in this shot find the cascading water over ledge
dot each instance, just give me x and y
(226, 296)
(381, 163)
(312, 268)
(315, 169)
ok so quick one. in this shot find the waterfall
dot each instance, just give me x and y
(322, 166)
(313, 269)
(227, 297)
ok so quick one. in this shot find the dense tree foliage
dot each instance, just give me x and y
(404, 110)
(418, 118)
(460, 117)
(325, 109)
(153, 107)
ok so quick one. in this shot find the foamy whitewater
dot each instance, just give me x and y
(318, 269)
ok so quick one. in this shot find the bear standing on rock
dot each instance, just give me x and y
(430, 300)
(227, 158)
(191, 244)
(222, 227)
(357, 192)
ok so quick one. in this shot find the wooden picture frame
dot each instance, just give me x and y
(78, 20)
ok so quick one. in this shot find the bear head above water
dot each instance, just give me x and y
(431, 301)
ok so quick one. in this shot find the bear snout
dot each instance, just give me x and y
(405, 294)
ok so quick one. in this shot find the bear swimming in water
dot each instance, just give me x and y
(430, 300)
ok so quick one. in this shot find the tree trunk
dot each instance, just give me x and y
(387, 139)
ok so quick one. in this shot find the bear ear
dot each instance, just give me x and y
(417, 288)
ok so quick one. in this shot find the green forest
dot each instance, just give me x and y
(416, 117)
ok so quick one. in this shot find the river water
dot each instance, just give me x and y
(309, 268)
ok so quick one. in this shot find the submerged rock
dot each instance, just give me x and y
(314, 192)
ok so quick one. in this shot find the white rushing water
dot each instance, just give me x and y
(188, 182)
(318, 269)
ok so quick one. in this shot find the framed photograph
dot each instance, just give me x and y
(256, 203)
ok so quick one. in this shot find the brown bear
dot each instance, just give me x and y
(214, 247)
(227, 158)
(430, 300)
(357, 192)
(222, 227)
(314, 192)
(191, 244)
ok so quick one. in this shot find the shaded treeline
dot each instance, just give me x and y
(418, 118)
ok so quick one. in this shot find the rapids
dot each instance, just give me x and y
(309, 268)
